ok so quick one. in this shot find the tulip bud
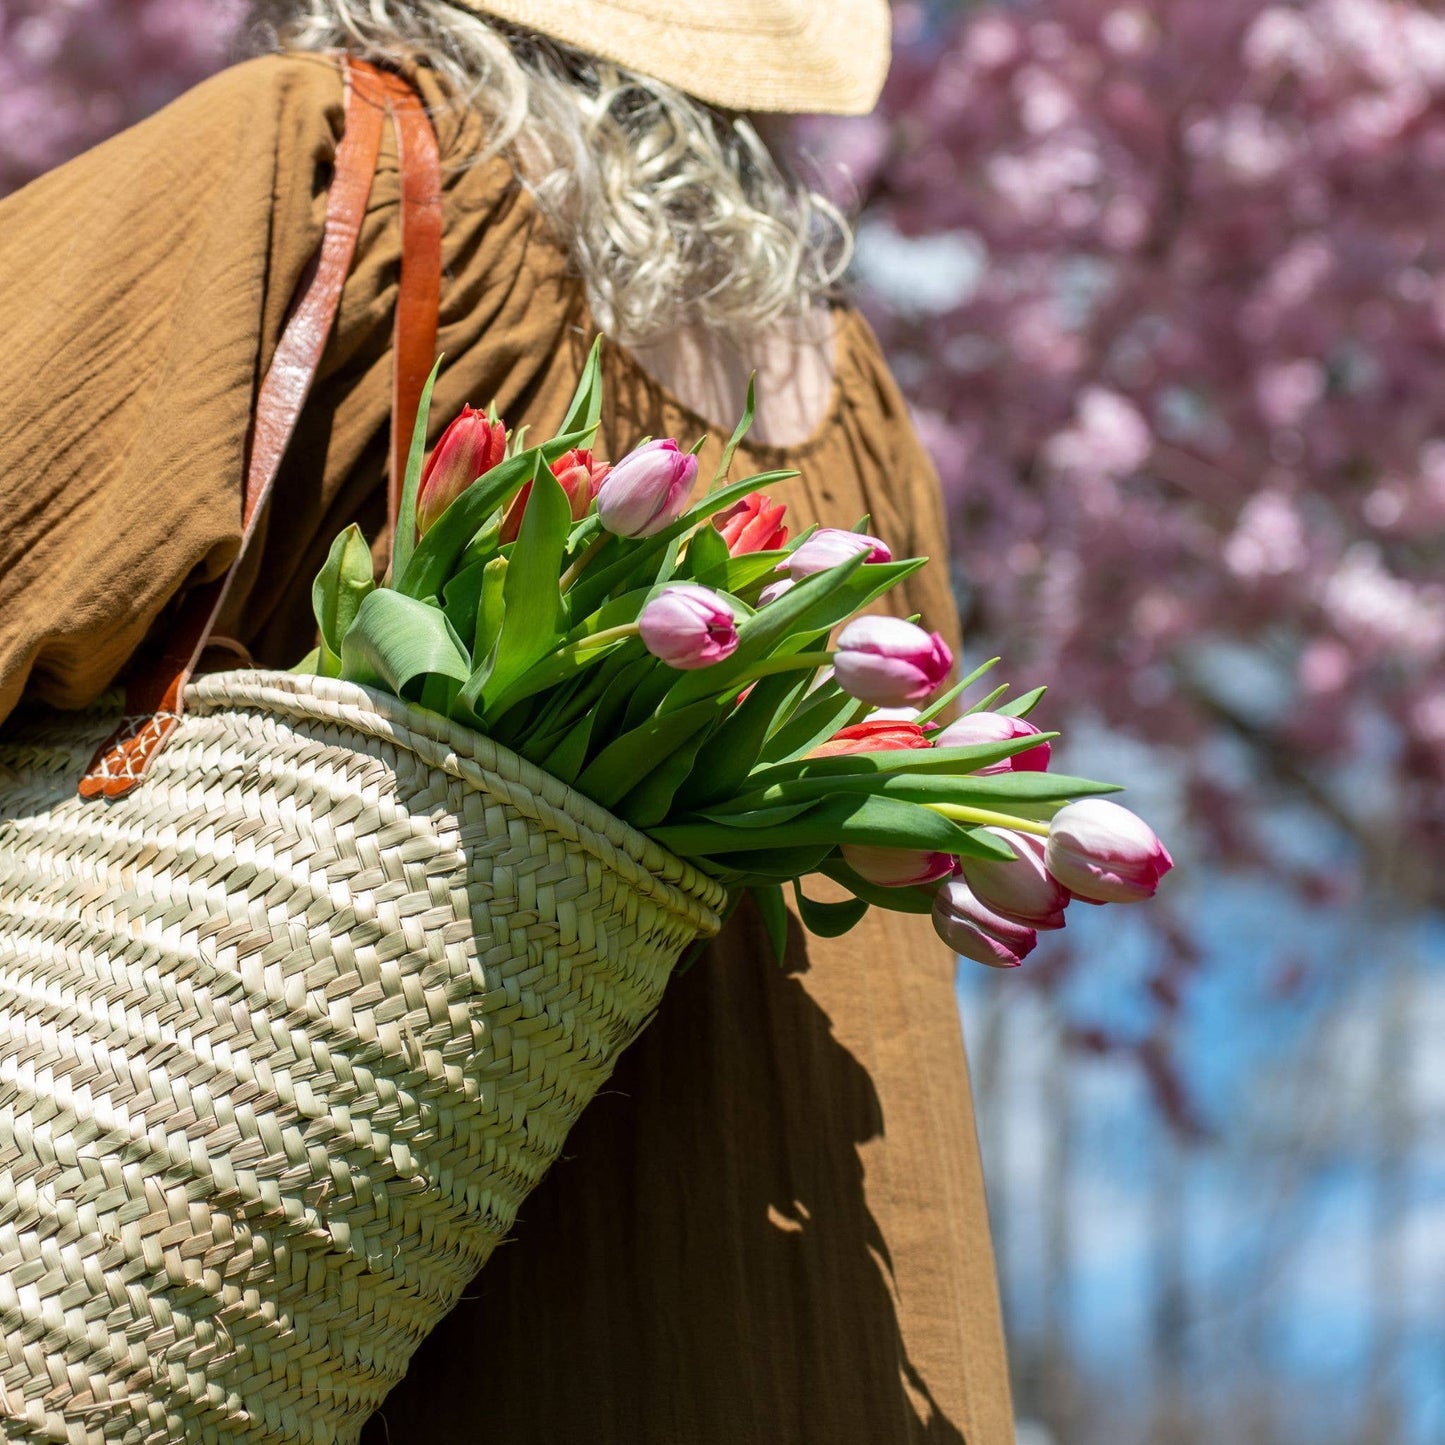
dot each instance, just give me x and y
(877, 735)
(469, 448)
(1103, 853)
(755, 524)
(976, 932)
(1022, 889)
(647, 490)
(996, 727)
(898, 867)
(579, 476)
(774, 590)
(829, 546)
(688, 627)
(889, 662)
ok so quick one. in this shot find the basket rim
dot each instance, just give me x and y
(476, 760)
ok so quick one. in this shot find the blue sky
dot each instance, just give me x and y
(1277, 1216)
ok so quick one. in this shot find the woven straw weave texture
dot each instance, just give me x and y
(286, 1036)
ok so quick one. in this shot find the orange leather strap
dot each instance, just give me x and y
(415, 340)
(156, 682)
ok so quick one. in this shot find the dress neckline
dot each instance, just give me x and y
(828, 418)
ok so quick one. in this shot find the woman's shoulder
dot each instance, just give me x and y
(287, 78)
(270, 94)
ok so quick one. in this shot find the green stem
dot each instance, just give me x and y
(601, 639)
(588, 553)
(792, 663)
(984, 818)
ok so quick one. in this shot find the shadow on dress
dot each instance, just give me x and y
(701, 1267)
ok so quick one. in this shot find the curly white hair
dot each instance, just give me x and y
(673, 213)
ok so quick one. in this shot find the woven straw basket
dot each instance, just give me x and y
(286, 1036)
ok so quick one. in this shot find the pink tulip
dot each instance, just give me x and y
(647, 490)
(688, 627)
(1103, 853)
(1021, 890)
(829, 546)
(755, 524)
(877, 735)
(580, 477)
(898, 867)
(889, 662)
(976, 932)
(996, 727)
(774, 590)
(469, 448)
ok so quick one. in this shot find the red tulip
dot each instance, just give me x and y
(580, 477)
(469, 448)
(877, 736)
(754, 524)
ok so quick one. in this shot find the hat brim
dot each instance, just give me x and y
(822, 57)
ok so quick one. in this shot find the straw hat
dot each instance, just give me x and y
(822, 56)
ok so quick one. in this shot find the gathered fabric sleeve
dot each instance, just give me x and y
(144, 286)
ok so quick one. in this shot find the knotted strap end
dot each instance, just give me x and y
(123, 759)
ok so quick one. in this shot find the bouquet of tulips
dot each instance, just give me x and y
(686, 664)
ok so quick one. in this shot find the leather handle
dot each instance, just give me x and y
(415, 340)
(155, 687)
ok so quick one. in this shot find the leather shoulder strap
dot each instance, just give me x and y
(415, 343)
(157, 680)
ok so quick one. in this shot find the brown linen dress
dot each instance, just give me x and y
(771, 1228)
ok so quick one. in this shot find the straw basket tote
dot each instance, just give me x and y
(299, 1001)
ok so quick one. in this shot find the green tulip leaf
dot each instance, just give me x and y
(768, 865)
(403, 542)
(396, 643)
(533, 613)
(941, 703)
(706, 552)
(896, 900)
(873, 822)
(773, 910)
(491, 608)
(650, 801)
(985, 704)
(824, 712)
(961, 760)
(763, 816)
(585, 411)
(1023, 706)
(565, 760)
(828, 920)
(744, 426)
(554, 670)
(461, 598)
(340, 588)
(630, 758)
(736, 745)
